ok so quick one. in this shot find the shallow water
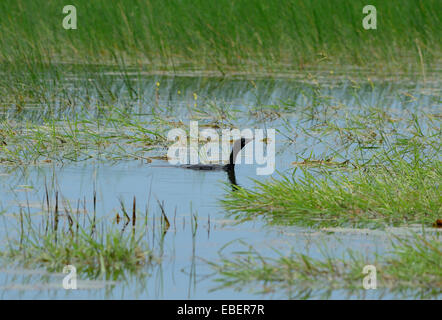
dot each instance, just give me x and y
(182, 272)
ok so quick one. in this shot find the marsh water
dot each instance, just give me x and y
(188, 196)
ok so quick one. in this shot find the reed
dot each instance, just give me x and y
(222, 36)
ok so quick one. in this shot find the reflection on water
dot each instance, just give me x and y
(199, 227)
(190, 198)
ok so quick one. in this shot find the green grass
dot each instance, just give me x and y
(399, 194)
(410, 269)
(222, 36)
(106, 252)
(387, 172)
(109, 254)
(112, 135)
(61, 235)
(57, 100)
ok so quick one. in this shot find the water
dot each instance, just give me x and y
(183, 272)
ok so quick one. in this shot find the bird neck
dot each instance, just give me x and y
(231, 159)
(235, 150)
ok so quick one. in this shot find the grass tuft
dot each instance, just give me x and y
(413, 263)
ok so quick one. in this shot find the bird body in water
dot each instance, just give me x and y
(238, 145)
(229, 168)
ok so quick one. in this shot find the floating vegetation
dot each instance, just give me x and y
(118, 136)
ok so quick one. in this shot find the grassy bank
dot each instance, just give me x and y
(246, 35)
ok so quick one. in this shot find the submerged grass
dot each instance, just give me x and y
(109, 254)
(117, 135)
(411, 269)
(97, 248)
